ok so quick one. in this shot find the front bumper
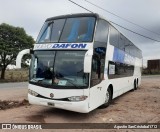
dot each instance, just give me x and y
(81, 106)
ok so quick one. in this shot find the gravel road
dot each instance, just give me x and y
(14, 85)
(140, 106)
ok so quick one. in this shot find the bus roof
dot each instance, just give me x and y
(74, 15)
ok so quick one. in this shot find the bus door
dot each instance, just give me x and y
(97, 76)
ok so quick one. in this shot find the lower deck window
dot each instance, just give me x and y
(118, 70)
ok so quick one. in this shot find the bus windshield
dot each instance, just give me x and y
(58, 69)
(70, 30)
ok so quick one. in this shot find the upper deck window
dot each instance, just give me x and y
(69, 30)
(102, 31)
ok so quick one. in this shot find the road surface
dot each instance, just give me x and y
(140, 106)
(13, 91)
(14, 85)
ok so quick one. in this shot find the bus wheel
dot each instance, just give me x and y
(135, 85)
(137, 82)
(108, 99)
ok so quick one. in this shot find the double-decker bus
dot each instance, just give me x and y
(81, 62)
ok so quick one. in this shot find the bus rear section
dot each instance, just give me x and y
(124, 63)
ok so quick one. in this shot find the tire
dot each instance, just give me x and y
(135, 85)
(108, 99)
(137, 82)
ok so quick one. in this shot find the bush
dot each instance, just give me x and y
(16, 75)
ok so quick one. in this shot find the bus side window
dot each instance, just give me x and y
(122, 42)
(46, 34)
(114, 37)
(102, 31)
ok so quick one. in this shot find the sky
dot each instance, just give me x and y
(31, 14)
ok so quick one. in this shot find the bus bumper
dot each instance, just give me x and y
(81, 106)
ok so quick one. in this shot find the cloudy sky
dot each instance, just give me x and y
(31, 14)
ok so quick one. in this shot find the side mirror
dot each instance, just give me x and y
(19, 57)
(88, 61)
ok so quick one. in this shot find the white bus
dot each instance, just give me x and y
(81, 62)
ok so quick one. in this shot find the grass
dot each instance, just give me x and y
(16, 75)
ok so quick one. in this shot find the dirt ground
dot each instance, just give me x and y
(140, 106)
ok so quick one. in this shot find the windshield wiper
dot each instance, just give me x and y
(68, 81)
(37, 79)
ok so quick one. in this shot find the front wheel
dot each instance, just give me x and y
(108, 99)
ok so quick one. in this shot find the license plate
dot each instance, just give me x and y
(51, 104)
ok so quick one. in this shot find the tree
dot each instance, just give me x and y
(12, 41)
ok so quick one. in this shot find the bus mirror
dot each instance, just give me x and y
(88, 61)
(19, 57)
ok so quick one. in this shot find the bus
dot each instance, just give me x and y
(81, 62)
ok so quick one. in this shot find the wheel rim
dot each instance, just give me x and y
(107, 97)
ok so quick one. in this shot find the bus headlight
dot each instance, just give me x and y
(78, 98)
(32, 92)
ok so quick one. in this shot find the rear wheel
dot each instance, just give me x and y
(108, 99)
(137, 82)
(135, 85)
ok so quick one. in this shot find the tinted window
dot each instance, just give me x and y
(62, 69)
(102, 31)
(118, 70)
(78, 30)
(114, 37)
(127, 46)
(57, 30)
(45, 37)
(122, 41)
(51, 31)
(98, 64)
(42, 31)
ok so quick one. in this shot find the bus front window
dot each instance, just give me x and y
(58, 68)
(68, 30)
(78, 30)
(41, 70)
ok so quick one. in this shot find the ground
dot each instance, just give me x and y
(139, 106)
